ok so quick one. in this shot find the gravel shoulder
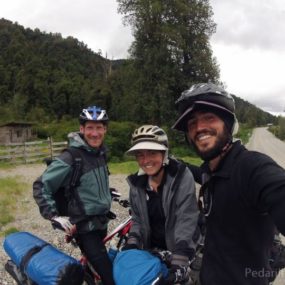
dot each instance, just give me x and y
(29, 219)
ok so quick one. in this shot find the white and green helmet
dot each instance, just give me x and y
(149, 137)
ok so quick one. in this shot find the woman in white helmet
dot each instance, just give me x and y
(163, 202)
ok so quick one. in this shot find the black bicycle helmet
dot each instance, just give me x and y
(205, 96)
(93, 113)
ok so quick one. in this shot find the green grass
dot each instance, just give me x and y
(129, 167)
(11, 189)
(192, 160)
(126, 167)
(244, 133)
(6, 165)
(9, 231)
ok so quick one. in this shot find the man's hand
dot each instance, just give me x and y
(64, 223)
(114, 193)
(177, 274)
(164, 255)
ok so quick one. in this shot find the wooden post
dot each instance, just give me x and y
(25, 153)
(51, 149)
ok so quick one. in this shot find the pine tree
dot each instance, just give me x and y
(171, 51)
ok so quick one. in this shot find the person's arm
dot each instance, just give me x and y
(135, 238)
(195, 170)
(266, 180)
(186, 213)
(45, 186)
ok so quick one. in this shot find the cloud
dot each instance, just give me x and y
(251, 24)
(254, 75)
(250, 48)
(271, 102)
(249, 43)
(94, 22)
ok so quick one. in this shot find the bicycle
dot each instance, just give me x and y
(120, 232)
(90, 275)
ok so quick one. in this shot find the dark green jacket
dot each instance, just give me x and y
(92, 199)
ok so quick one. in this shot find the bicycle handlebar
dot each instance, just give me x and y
(124, 203)
(57, 225)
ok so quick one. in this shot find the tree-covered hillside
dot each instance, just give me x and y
(251, 115)
(45, 77)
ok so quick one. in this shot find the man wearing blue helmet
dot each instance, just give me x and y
(90, 201)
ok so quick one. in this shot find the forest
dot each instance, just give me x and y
(45, 78)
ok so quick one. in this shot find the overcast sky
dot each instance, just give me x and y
(249, 43)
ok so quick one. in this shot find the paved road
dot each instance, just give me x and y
(264, 141)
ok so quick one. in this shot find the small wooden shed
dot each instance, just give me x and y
(16, 132)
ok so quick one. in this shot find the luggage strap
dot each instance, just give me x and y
(30, 253)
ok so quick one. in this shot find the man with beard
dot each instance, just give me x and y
(242, 194)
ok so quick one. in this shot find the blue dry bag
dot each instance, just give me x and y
(42, 262)
(137, 267)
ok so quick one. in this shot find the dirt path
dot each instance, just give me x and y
(264, 141)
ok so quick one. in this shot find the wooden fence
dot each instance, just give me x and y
(30, 151)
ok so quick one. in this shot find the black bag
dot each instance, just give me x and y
(63, 194)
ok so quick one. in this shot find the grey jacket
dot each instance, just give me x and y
(180, 209)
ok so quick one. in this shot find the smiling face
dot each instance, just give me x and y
(150, 161)
(208, 134)
(93, 133)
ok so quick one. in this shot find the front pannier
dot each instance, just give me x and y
(41, 262)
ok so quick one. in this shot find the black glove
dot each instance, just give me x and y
(177, 274)
(164, 255)
(129, 246)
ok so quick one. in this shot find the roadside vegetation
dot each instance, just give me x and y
(244, 133)
(118, 141)
(128, 167)
(279, 130)
(11, 190)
